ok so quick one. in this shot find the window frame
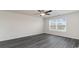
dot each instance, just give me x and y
(65, 29)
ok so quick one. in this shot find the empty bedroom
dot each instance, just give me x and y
(39, 28)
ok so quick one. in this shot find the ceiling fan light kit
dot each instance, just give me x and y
(42, 14)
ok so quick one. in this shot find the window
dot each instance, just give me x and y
(57, 24)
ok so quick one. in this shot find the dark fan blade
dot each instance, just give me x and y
(48, 11)
(39, 10)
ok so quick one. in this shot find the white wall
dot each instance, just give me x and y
(72, 26)
(13, 25)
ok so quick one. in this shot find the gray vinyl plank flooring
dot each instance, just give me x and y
(40, 41)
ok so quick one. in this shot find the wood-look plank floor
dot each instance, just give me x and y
(40, 41)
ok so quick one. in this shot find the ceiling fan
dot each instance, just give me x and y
(44, 12)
